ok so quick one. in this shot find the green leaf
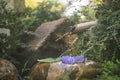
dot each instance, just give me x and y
(66, 75)
(49, 60)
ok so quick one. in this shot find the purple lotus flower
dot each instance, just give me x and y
(72, 59)
(79, 59)
(68, 59)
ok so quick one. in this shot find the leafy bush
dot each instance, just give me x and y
(21, 26)
(103, 45)
(110, 71)
(104, 41)
(9, 19)
(108, 30)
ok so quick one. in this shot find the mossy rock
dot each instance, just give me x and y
(7, 70)
(61, 71)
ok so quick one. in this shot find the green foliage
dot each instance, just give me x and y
(46, 11)
(108, 31)
(23, 71)
(111, 68)
(85, 14)
(103, 41)
(9, 19)
(103, 44)
(21, 26)
(89, 12)
(18, 22)
(110, 71)
(97, 2)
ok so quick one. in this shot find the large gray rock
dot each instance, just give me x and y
(45, 42)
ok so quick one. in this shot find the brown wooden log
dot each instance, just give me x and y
(83, 26)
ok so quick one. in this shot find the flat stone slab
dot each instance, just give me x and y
(61, 71)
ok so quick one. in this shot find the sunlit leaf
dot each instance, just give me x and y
(49, 60)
